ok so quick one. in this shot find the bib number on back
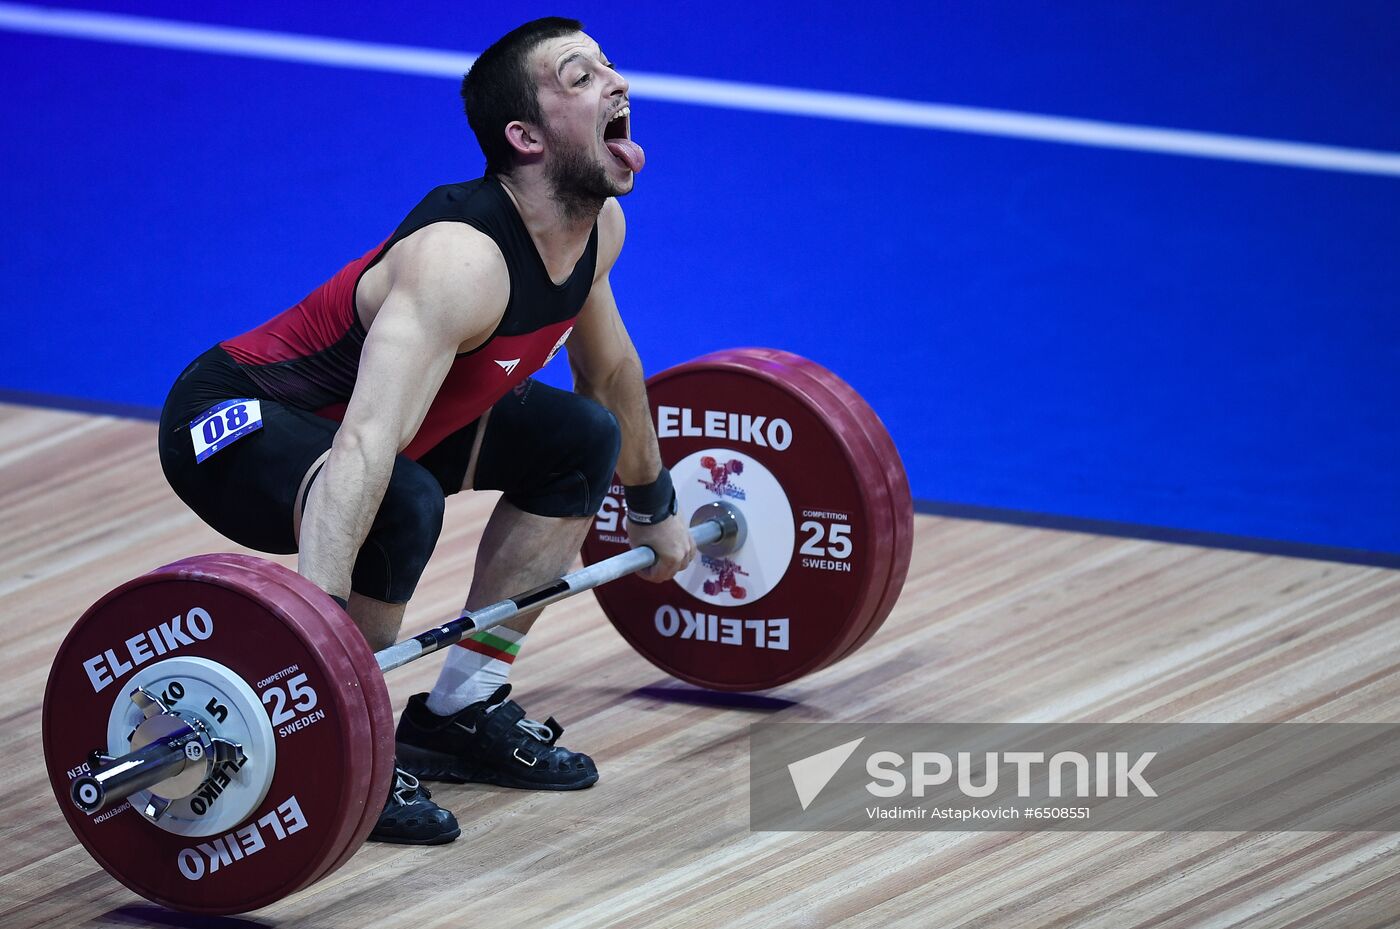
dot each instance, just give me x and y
(220, 426)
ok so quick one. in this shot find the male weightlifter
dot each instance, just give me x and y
(406, 377)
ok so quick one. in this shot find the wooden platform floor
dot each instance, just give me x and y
(997, 623)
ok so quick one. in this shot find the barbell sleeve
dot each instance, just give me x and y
(121, 777)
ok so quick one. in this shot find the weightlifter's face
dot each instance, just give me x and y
(583, 101)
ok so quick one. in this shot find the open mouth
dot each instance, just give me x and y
(620, 126)
(617, 136)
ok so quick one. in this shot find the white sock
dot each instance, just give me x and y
(474, 668)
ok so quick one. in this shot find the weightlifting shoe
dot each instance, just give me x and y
(411, 817)
(490, 742)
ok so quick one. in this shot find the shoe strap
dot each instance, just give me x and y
(510, 715)
(503, 716)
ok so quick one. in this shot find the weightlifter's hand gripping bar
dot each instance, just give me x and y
(717, 529)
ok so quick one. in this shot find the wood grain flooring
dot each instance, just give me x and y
(996, 624)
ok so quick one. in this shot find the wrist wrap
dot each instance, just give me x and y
(649, 504)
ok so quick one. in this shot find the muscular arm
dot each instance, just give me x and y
(606, 367)
(447, 285)
(618, 383)
(605, 362)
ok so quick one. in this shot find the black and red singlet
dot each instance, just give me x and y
(309, 355)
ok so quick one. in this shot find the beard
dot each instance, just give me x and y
(579, 183)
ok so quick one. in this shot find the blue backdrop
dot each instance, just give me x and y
(1121, 336)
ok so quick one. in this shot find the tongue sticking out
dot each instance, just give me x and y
(628, 152)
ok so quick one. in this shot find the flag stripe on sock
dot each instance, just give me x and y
(484, 643)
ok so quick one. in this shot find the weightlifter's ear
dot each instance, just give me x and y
(527, 140)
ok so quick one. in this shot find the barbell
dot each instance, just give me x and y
(219, 735)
